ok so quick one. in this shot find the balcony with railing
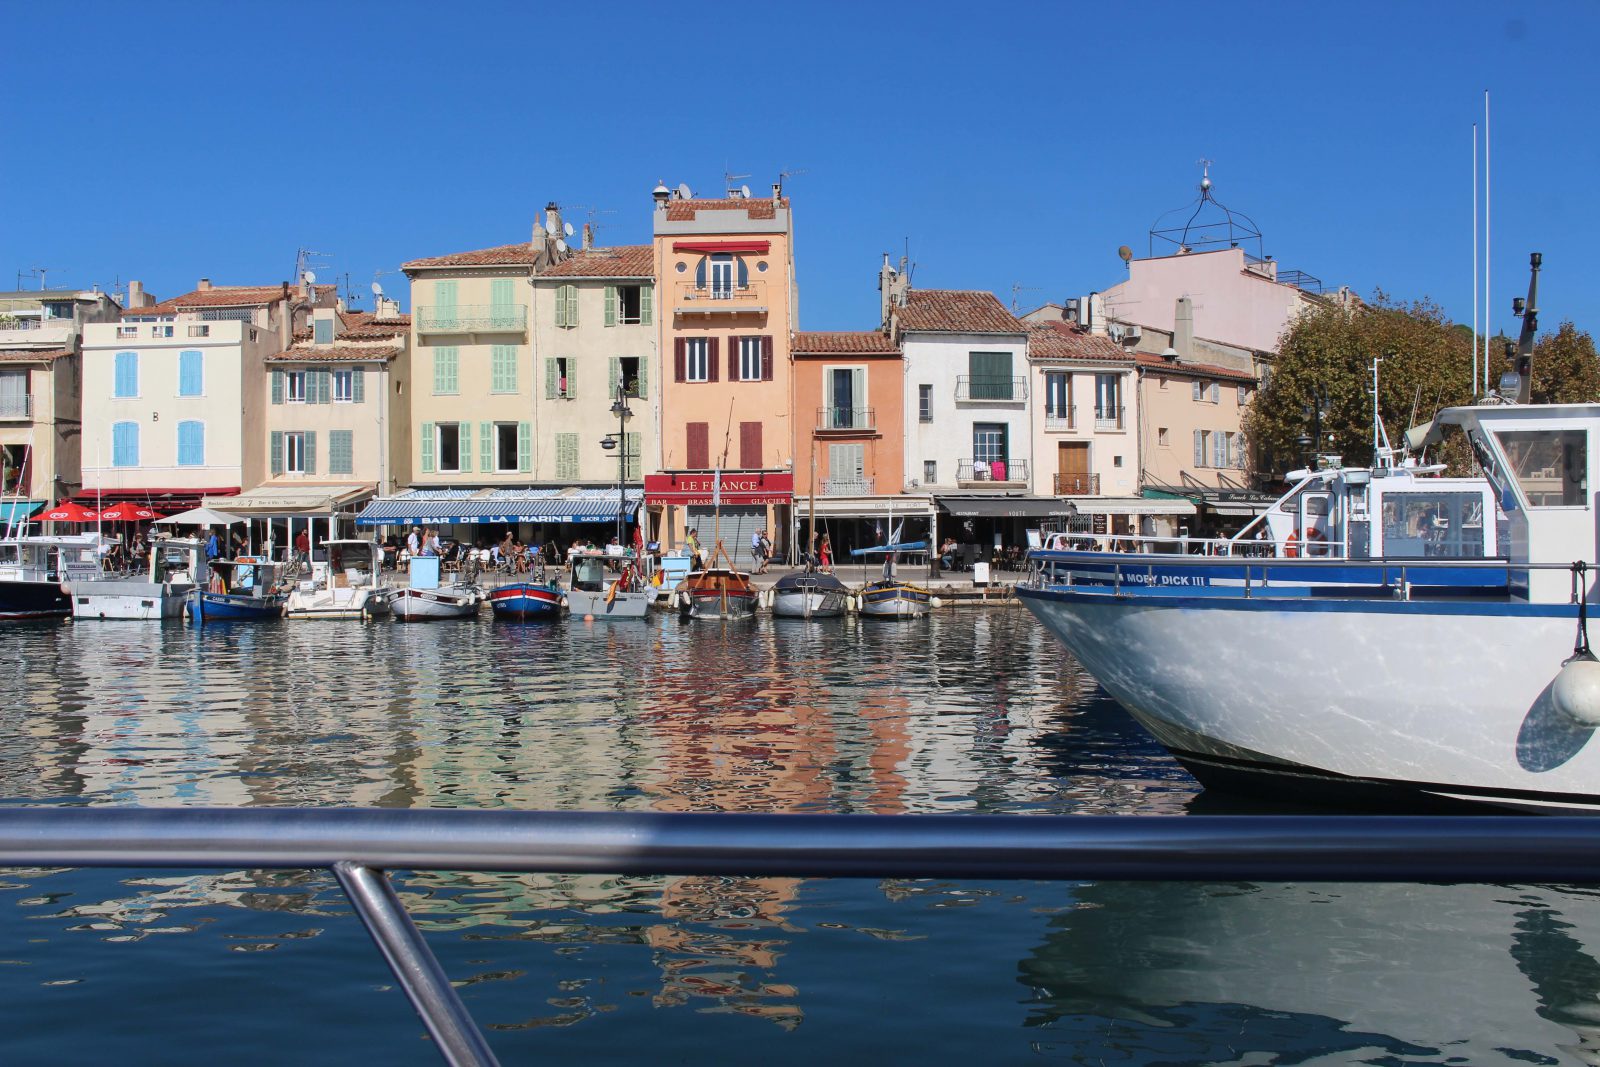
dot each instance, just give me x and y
(832, 420)
(847, 487)
(1077, 485)
(1059, 421)
(471, 318)
(16, 406)
(992, 389)
(714, 298)
(19, 331)
(1108, 419)
(992, 472)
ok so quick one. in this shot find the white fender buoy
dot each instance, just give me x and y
(1576, 690)
(936, 602)
(850, 603)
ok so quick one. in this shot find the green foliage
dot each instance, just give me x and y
(1566, 369)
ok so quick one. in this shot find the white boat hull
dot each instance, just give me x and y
(815, 604)
(1441, 699)
(421, 605)
(629, 605)
(129, 600)
(337, 604)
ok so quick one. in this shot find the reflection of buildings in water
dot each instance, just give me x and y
(1562, 970)
(1328, 970)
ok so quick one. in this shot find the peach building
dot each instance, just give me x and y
(724, 271)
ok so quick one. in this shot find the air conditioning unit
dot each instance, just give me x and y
(1074, 309)
(1131, 332)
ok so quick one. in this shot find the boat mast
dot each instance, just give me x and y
(811, 514)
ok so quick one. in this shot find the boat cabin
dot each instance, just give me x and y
(254, 576)
(72, 558)
(349, 564)
(180, 560)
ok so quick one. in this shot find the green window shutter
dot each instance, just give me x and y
(644, 362)
(486, 446)
(572, 378)
(311, 451)
(340, 449)
(569, 304)
(525, 447)
(277, 387)
(616, 373)
(277, 451)
(358, 386)
(427, 448)
(503, 369)
(646, 300)
(549, 379)
(502, 315)
(444, 371)
(633, 442)
(464, 447)
(567, 457)
(611, 305)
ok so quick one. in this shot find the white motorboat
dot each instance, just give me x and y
(599, 592)
(177, 566)
(424, 599)
(347, 584)
(1404, 687)
(36, 572)
(809, 594)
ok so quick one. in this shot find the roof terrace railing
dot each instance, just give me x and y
(360, 844)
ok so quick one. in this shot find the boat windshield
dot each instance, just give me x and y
(352, 561)
(1550, 466)
(9, 554)
(1418, 525)
(588, 573)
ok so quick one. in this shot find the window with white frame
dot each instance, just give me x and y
(294, 453)
(1058, 397)
(930, 472)
(750, 359)
(1161, 437)
(447, 447)
(1244, 395)
(507, 437)
(294, 387)
(924, 403)
(344, 390)
(1108, 399)
(697, 359)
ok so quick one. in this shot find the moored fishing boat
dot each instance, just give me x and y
(35, 573)
(889, 597)
(809, 594)
(716, 592)
(596, 590)
(424, 599)
(177, 566)
(1403, 688)
(524, 601)
(348, 585)
(251, 590)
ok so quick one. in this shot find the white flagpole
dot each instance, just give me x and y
(1488, 260)
(1475, 376)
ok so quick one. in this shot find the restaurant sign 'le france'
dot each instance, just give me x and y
(742, 487)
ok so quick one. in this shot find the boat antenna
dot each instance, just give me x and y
(1382, 452)
(1528, 311)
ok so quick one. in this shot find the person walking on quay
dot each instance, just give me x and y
(434, 548)
(302, 547)
(414, 542)
(696, 563)
(825, 554)
(213, 547)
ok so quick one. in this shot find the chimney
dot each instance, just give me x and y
(588, 236)
(1183, 328)
(892, 287)
(136, 294)
(205, 285)
(661, 194)
(777, 191)
(552, 214)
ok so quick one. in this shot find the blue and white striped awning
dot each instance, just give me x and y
(448, 507)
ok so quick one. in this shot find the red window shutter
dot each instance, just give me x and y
(766, 358)
(699, 445)
(749, 446)
(678, 359)
(711, 360)
(733, 360)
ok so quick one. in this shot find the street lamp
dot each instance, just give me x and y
(620, 409)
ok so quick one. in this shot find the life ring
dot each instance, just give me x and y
(1316, 542)
(1291, 547)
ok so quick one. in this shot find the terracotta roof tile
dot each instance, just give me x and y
(755, 208)
(1067, 341)
(336, 354)
(32, 355)
(362, 326)
(517, 255)
(956, 311)
(843, 342)
(219, 296)
(1193, 370)
(623, 261)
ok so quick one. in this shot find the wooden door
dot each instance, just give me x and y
(1072, 469)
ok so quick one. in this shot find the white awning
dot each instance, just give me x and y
(294, 501)
(1237, 509)
(863, 506)
(1132, 505)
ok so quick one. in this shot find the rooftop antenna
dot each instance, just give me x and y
(785, 175)
(40, 272)
(1017, 289)
(728, 179)
(302, 262)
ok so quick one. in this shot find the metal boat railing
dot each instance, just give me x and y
(359, 845)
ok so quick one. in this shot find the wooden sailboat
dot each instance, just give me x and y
(717, 592)
(889, 597)
(810, 594)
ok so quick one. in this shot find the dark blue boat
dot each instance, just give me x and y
(250, 592)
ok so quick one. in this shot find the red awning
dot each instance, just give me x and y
(166, 501)
(738, 487)
(128, 511)
(708, 247)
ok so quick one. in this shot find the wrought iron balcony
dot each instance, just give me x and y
(992, 471)
(846, 420)
(712, 298)
(1077, 484)
(847, 487)
(992, 388)
(1108, 418)
(472, 318)
(1067, 420)
(16, 407)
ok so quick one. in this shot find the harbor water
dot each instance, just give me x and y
(970, 711)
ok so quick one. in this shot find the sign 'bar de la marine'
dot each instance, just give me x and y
(741, 487)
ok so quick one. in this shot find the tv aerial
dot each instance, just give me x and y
(728, 178)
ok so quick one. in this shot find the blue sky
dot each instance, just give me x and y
(1011, 145)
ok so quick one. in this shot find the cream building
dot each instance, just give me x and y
(169, 411)
(1085, 426)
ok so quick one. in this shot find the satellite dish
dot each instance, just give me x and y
(1126, 254)
(566, 228)
(377, 290)
(309, 277)
(683, 192)
(561, 246)
(744, 191)
(550, 225)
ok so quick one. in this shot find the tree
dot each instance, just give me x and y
(1566, 368)
(1321, 384)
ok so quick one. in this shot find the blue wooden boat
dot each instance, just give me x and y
(519, 601)
(251, 591)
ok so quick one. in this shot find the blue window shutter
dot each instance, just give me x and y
(127, 374)
(190, 382)
(277, 451)
(191, 443)
(358, 386)
(277, 387)
(525, 447)
(427, 448)
(310, 437)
